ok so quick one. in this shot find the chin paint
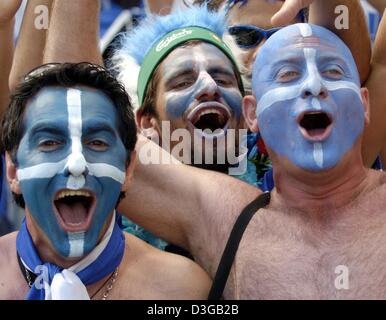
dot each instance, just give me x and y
(71, 165)
(309, 106)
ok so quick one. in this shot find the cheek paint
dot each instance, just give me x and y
(233, 99)
(178, 102)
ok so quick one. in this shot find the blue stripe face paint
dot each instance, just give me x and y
(71, 165)
(309, 106)
(193, 75)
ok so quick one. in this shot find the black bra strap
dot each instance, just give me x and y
(232, 245)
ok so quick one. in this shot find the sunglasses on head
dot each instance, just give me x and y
(249, 36)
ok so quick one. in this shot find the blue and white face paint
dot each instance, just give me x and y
(196, 81)
(309, 105)
(71, 165)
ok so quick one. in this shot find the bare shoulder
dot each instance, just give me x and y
(7, 248)
(162, 275)
(184, 277)
(12, 284)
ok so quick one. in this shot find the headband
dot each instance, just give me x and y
(170, 41)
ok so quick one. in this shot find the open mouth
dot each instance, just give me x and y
(74, 209)
(315, 125)
(210, 116)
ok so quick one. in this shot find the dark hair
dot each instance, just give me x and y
(67, 75)
(149, 102)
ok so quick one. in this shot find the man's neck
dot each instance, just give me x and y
(312, 192)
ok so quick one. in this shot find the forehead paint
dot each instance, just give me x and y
(203, 59)
(344, 103)
(71, 113)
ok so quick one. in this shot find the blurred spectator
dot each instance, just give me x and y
(373, 18)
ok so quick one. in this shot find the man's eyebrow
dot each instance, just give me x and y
(323, 58)
(91, 127)
(221, 69)
(293, 59)
(186, 70)
(53, 128)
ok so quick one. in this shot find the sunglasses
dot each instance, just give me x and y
(249, 36)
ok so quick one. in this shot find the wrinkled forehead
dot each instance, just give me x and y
(200, 54)
(294, 38)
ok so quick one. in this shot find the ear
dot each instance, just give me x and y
(249, 112)
(148, 125)
(366, 104)
(130, 171)
(12, 174)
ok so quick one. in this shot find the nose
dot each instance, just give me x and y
(314, 87)
(208, 89)
(76, 165)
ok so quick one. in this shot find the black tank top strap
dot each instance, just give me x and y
(232, 245)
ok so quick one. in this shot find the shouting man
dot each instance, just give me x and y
(69, 136)
(189, 86)
(326, 213)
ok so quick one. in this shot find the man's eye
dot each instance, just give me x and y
(333, 73)
(287, 75)
(222, 81)
(182, 84)
(97, 145)
(49, 145)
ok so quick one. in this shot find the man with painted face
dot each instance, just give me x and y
(69, 135)
(187, 82)
(320, 234)
(188, 79)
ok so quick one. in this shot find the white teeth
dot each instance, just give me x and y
(209, 111)
(314, 112)
(71, 193)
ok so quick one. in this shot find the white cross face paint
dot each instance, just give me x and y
(71, 165)
(309, 106)
(76, 163)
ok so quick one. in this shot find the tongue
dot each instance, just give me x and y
(74, 213)
(315, 132)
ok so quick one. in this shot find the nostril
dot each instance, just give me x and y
(323, 94)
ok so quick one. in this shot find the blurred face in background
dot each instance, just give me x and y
(250, 26)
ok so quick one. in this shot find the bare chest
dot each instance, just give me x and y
(281, 258)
